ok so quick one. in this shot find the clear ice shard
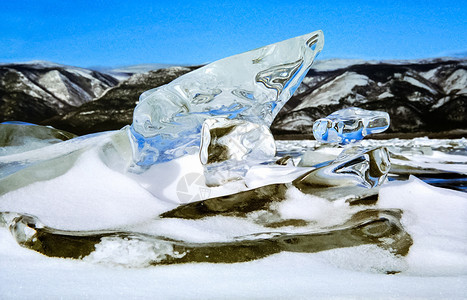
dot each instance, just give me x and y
(252, 86)
(367, 169)
(350, 124)
(230, 147)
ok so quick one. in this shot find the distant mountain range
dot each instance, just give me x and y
(114, 108)
(39, 90)
(423, 97)
(124, 72)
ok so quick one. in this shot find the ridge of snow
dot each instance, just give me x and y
(457, 81)
(332, 92)
(337, 63)
(417, 83)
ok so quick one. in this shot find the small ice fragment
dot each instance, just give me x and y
(367, 169)
(350, 124)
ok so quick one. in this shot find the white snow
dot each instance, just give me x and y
(38, 63)
(54, 82)
(83, 113)
(335, 64)
(437, 161)
(55, 85)
(429, 75)
(116, 252)
(440, 102)
(25, 85)
(419, 84)
(302, 146)
(457, 81)
(141, 68)
(26, 274)
(315, 209)
(92, 196)
(436, 220)
(97, 86)
(269, 174)
(62, 88)
(296, 122)
(385, 95)
(332, 92)
(77, 199)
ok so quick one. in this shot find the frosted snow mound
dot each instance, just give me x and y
(435, 218)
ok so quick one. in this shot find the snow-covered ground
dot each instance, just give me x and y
(90, 195)
(286, 275)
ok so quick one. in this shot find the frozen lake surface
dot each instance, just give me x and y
(91, 196)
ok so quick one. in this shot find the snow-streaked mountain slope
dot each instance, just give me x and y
(419, 95)
(114, 108)
(37, 90)
(124, 72)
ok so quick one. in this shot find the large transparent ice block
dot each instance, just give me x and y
(349, 124)
(251, 86)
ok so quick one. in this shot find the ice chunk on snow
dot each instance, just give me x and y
(349, 124)
(251, 86)
(366, 169)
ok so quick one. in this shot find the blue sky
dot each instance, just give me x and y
(117, 33)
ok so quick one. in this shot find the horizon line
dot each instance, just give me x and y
(455, 56)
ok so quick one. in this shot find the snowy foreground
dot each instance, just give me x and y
(91, 195)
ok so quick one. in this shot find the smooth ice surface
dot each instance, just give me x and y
(251, 86)
(451, 146)
(349, 124)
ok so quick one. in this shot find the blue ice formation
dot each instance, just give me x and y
(350, 124)
(252, 86)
